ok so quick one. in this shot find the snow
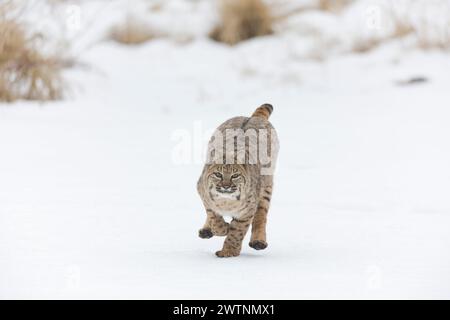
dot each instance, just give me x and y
(95, 204)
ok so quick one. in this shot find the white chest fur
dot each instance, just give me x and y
(232, 214)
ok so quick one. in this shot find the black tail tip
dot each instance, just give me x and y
(268, 106)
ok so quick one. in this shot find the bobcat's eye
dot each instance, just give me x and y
(218, 175)
(235, 176)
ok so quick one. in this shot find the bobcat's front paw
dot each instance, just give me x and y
(258, 244)
(205, 233)
(226, 253)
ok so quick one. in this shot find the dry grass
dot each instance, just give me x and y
(333, 5)
(26, 73)
(429, 38)
(401, 26)
(241, 20)
(132, 32)
(426, 43)
(362, 45)
(415, 26)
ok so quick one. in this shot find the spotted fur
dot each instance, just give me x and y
(239, 191)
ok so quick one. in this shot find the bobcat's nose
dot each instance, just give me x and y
(226, 186)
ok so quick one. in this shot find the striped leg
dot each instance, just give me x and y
(258, 240)
(215, 225)
(233, 242)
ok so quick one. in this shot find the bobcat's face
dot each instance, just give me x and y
(226, 181)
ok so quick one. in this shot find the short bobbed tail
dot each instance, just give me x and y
(264, 111)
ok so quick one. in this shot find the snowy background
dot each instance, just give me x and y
(97, 201)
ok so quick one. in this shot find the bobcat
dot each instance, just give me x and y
(238, 182)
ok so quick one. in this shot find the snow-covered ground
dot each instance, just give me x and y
(97, 202)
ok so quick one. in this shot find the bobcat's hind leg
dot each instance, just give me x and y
(258, 239)
(215, 225)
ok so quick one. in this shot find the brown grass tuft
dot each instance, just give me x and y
(333, 5)
(402, 26)
(132, 32)
(363, 45)
(26, 73)
(241, 20)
